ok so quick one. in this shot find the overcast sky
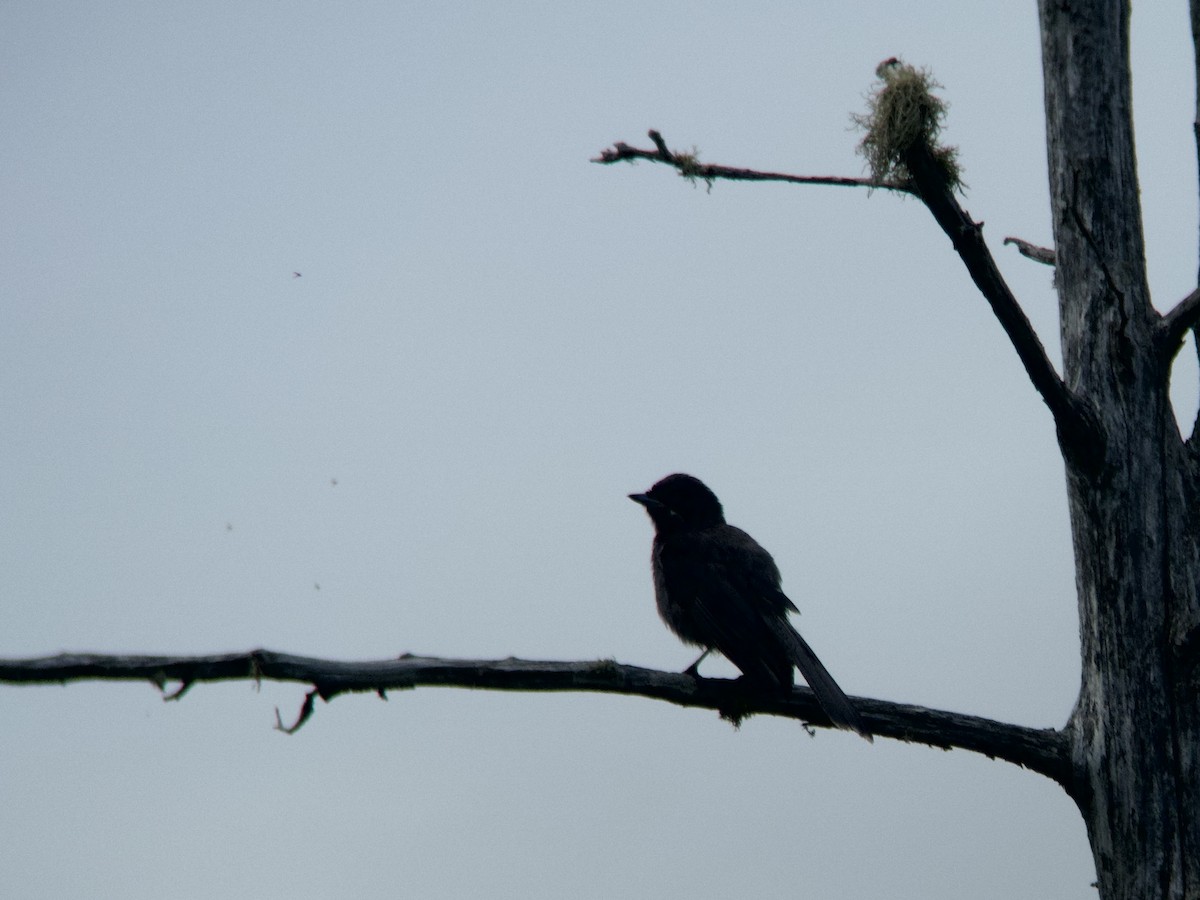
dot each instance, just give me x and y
(491, 342)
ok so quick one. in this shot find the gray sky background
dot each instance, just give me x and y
(492, 343)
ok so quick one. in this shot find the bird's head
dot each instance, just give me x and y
(681, 503)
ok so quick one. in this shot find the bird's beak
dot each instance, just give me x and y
(645, 500)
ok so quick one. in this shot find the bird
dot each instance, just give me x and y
(889, 67)
(718, 589)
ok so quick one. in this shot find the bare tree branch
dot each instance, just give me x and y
(1173, 327)
(306, 710)
(1078, 428)
(1044, 255)
(691, 168)
(1040, 750)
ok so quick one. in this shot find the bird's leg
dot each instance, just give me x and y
(694, 668)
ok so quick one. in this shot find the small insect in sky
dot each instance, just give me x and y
(295, 274)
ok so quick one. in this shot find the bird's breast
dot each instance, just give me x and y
(677, 599)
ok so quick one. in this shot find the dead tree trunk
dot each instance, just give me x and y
(1132, 486)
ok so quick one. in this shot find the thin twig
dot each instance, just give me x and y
(306, 711)
(663, 150)
(622, 152)
(1044, 255)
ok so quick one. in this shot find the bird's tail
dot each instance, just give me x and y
(833, 699)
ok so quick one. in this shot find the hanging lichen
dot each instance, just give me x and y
(902, 113)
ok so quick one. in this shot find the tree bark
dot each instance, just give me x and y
(1134, 732)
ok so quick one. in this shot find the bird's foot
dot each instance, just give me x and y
(694, 668)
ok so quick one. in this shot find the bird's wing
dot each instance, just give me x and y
(730, 587)
(739, 600)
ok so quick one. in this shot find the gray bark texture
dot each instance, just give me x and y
(1132, 483)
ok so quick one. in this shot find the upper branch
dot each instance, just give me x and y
(1078, 429)
(691, 168)
(1041, 750)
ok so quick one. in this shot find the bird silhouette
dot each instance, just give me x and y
(718, 589)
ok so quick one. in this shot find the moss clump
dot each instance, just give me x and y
(688, 165)
(902, 112)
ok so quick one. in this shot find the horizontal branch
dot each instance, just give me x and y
(1040, 750)
(690, 167)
